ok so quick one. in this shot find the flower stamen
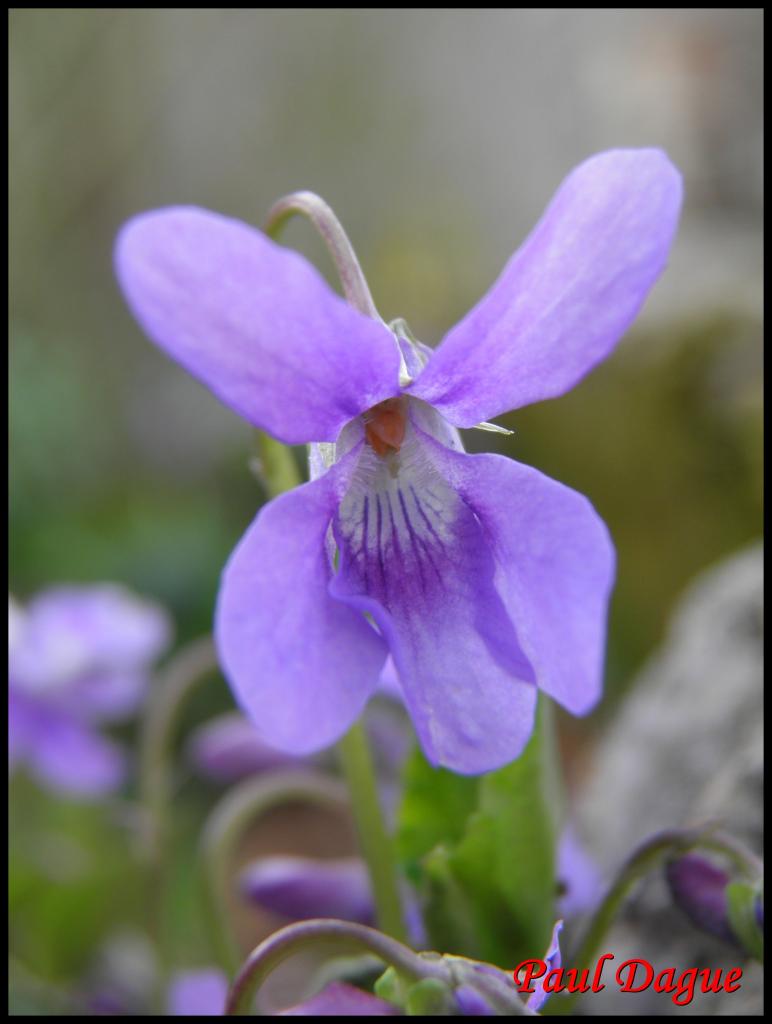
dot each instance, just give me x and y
(385, 425)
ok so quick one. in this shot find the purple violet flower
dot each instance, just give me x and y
(483, 579)
(77, 657)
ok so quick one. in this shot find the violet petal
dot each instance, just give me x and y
(414, 556)
(301, 664)
(566, 296)
(74, 759)
(255, 322)
(553, 960)
(554, 568)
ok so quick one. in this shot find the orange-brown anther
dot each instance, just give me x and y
(385, 426)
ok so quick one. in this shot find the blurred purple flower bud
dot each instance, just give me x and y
(578, 876)
(77, 656)
(300, 888)
(699, 889)
(341, 1000)
(199, 993)
(228, 748)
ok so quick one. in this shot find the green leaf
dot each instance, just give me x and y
(434, 809)
(482, 851)
(741, 907)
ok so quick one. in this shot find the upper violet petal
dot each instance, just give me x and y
(255, 322)
(414, 556)
(566, 296)
(555, 569)
(301, 664)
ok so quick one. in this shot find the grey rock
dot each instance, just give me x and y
(685, 748)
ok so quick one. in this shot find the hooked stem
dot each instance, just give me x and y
(239, 809)
(343, 935)
(310, 205)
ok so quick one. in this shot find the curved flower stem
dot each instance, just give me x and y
(374, 840)
(237, 810)
(346, 935)
(310, 205)
(650, 854)
(194, 663)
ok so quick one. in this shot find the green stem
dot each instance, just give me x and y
(238, 810)
(176, 683)
(276, 467)
(375, 842)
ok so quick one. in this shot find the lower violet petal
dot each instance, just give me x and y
(301, 664)
(414, 556)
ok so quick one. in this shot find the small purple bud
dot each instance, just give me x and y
(699, 889)
(301, 888)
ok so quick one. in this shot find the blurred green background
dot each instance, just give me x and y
(438, 138)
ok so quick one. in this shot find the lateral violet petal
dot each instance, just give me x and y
(301, 664)
(554, 568)
(255, 322)
(414, 556)
(567, 295)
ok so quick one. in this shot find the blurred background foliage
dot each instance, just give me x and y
(438, 138)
